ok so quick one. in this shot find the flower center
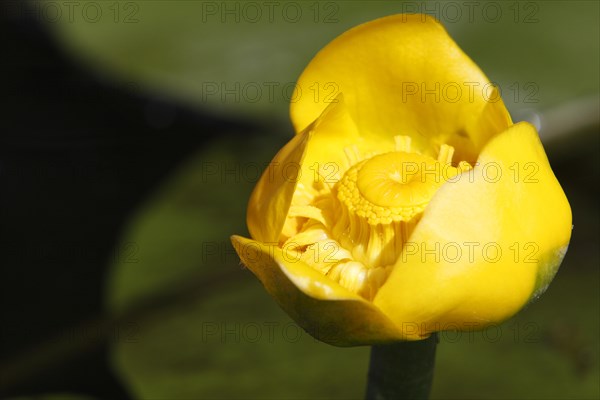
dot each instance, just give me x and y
(381, 200)
(355, 233)
(390, 187)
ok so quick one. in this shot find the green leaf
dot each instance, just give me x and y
(224, 339)
(243, 58)
(184, 228)
(238, 344)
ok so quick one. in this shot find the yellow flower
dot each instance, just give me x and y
(408, 202)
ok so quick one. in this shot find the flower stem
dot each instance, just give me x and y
(402, 370)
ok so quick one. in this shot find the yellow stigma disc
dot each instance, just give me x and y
(399, 179)
(390, 187)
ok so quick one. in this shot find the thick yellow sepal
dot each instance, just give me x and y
(487, 243)
(403, 74)
(323, 308)
(272, 196)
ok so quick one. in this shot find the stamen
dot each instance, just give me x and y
(352, 154)
(402, 143)
(324, 179)
(309, 212)
(325, 255)
(445, 154)
(310, 234)
(464, 166)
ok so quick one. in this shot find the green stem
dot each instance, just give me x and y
(402, 370)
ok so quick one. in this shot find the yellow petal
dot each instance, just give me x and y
(487, 243)
(403, 75)
(272, 196)
(311, 159)
(323, 308)
(333, 133)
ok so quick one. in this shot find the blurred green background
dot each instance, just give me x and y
(180, 104)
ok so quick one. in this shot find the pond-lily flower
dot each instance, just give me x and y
(407, 202)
